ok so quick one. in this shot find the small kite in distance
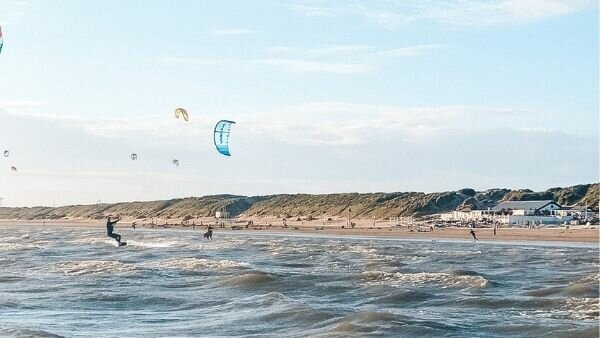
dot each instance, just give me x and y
(1, 40)
(180, 112)
(6, 153)
(133, 156)
(13, 168)
(175, 162)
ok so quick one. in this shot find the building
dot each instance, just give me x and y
(527, 208)
(514, 213)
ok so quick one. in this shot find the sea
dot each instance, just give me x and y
(75, 282)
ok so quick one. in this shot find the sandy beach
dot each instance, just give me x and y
(363, 228)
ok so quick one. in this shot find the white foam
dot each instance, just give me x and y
(19, 246)
(192, 264)
(445, 279)
(77, 268)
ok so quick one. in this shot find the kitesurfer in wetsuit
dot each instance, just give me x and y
(473, 234)
(110, 225)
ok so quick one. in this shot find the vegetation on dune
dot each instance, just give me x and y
(306, 206)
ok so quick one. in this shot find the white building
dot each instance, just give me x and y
(514, 212)
(527, 208)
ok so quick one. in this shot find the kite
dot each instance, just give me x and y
(1, 40)
(222, 130)
(183, 113)
(133, 156)
(6, 153)
(13, 168)
(175, 162)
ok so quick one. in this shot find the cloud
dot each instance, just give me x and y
(313, 123)
(453, 13)
(297, 65)
(357, 58)
(294, 65)
(344, 124)
(407, 51)
(21, 104)
(232, 31)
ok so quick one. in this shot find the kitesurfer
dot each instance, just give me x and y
(110, 226)
(472, 232)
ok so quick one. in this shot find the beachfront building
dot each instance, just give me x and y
(514, 213)
(527, 208)
(530, 213)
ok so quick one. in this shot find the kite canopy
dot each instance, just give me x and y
(13, 168)
(175, 162)
(6, 153)
(222, 130)
(133, 156)
(1, 40)
(183, 113)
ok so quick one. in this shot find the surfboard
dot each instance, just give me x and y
(122, 243)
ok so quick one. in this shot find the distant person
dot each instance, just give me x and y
(472, 232)
(133, 224)
(208, 234)
(110, 226)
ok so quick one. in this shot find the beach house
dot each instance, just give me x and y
(515, 213)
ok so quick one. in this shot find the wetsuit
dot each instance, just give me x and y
(109, 230)
(473, 234)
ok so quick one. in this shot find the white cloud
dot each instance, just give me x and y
(455, 13)
(356, 58)
(294, 65)
(232, 31)
(331, 123)
(340, 123)
(297, 65)
(407, 51)
(21, 104)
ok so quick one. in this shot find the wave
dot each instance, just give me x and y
(18, 333)
(584, 287)
(156, 244)
(249, 279)
(95, 241)
(11, 279)
(19, 246)
(79, 268)
(446, 279)
(193, 264)
(582, 308)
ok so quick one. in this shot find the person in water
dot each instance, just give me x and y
(208, 234)
(110, 226)
(473, 234)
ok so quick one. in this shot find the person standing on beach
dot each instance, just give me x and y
(110, 226)
(472, 232)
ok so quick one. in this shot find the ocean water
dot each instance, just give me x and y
(169, 283)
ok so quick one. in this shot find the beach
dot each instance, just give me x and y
(363, 228)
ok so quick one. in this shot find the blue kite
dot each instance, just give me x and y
(222, 131)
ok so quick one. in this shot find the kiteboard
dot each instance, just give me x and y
(122, 243)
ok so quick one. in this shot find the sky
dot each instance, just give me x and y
(328, 96)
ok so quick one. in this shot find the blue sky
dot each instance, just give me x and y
(329, 96)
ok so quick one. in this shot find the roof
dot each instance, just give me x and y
(522, 205)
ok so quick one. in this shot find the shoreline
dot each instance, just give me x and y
(572, 235)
